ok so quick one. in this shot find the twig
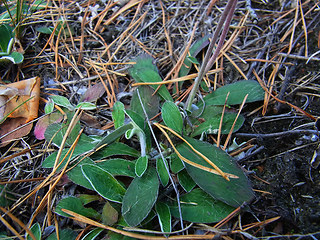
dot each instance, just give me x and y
(277, 134)
(298, 57)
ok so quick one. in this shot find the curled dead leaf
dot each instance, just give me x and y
(19, 104)
(20, 99)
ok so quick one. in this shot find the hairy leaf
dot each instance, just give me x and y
(103, 183)
(199, 207)
(172, 116)
(234, 192)
(140, 197)
(238, 91)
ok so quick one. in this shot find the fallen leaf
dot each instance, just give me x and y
(10, 125)
(44, 122)
(19, 104)
(20, 99)
(93, 93)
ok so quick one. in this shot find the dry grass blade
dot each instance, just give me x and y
(282, 101)
(86, 220)
(180, 79)
(11, 228)
(221, 120)
(217, 170)
(234, 123)
(15, 219)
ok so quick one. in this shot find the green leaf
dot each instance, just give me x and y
(138, 120)
(141, 165)
(58, 131)
(234, 192)
(76, 175)
(118, 167)
(43, 29)
(164, 216)
(6, 199)
(118, 114)
(86, 106)
(82, 147)
(162, 171)
(6, 33)
(199, 207)
(211, 126)
(113, 136)
(36, 230)
(75, 205)
(140, 197)
(54, 131)
(193, 60)
(149, 100)
(145, 71)
(172, 116)
(238, 91)
(87, 198)
(194, 50)
(186, 181)
(116, 148)
(14, 57)
(176, 165)
(140, 125)
(62, 101)
(49, 106)
(109, 214)
(92, 234)
(63, 234)
(103, 183)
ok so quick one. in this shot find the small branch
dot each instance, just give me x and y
(277, 134)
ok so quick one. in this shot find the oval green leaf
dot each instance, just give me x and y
(141, 165)
(75, 205)
(62, 101)
(234, 192)
(172, 116)
(86, 106)
(211, 126)
(118, 167)
(36, 230)
(238, 91)
(199, 207)
(103, 183)
(140, 197)
(162, 171)
(118, 114)
(116, 148)
(164, 216)
(185, 180)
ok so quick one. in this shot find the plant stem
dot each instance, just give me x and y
(208, 61)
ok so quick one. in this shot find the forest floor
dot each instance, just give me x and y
(277, 41)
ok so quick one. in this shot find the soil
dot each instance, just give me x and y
(287, 184)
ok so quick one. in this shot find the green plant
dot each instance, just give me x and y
(174, 161)
(11, 27)
(213, 183)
